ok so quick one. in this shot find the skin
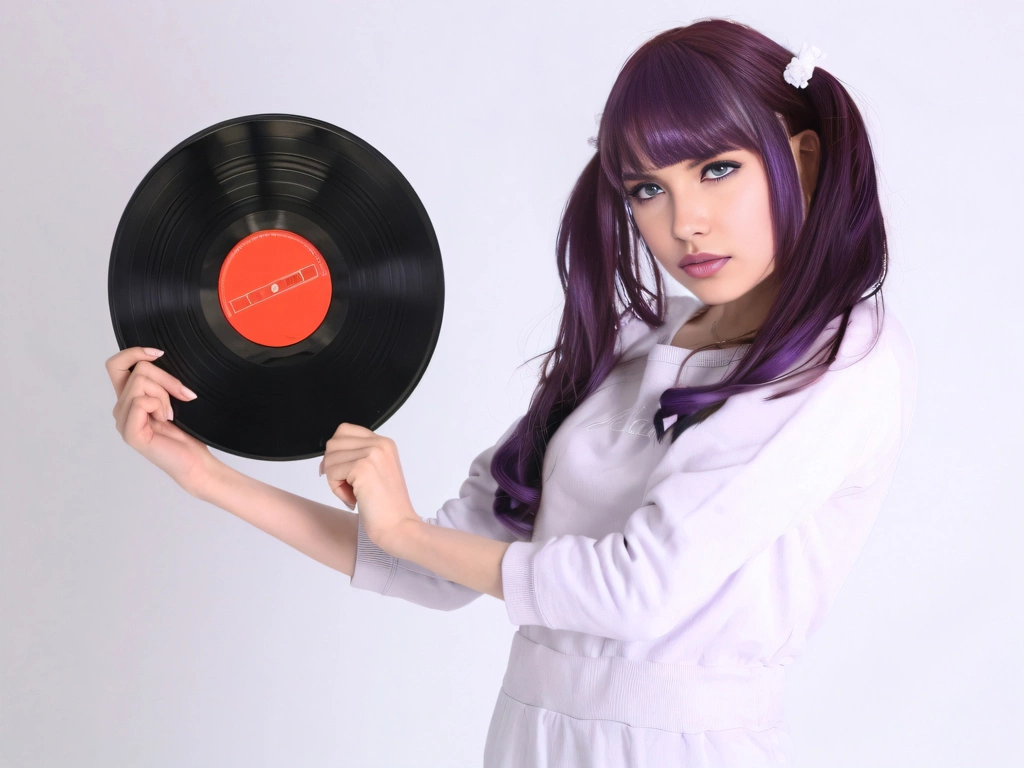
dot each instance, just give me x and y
(687, 213)
(681, 210)
(143, 418)
(359, 465)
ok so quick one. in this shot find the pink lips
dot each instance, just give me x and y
(704, 268)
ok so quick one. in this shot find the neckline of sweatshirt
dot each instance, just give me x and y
(679, 309)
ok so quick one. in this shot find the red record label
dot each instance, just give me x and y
(274, 288)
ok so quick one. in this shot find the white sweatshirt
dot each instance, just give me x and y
(726, 547)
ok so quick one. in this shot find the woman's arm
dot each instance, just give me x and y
(144, 418)
(326, 534)
(720, 498)
(471, 511)
(459, 556)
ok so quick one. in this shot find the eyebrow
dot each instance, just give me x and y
(691, 164)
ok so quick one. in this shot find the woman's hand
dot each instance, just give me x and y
(363, 467)
(143, 417)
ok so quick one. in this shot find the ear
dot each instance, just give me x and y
(806, 148)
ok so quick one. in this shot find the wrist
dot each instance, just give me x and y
(402, 540)
(212, 472)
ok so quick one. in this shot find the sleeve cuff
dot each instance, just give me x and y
(518, 584)
(374, 568)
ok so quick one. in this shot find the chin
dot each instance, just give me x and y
(707, 293)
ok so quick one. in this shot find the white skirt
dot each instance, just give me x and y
(555, 710)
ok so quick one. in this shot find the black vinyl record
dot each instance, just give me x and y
(290, 274)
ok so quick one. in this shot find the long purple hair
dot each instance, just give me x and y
(694, 92)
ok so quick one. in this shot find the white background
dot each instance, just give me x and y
(140, 627)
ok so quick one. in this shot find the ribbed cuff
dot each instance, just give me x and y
(518, 585)
(374, 569)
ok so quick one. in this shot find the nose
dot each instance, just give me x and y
(689, 218)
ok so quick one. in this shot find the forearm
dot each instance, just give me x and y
(324, 533)
(459, 556)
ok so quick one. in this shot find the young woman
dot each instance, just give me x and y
(695, 476)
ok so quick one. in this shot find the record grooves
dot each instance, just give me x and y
(292, 277)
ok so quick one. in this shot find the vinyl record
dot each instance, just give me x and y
(290, 274)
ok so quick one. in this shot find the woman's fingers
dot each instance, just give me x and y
(119, 367)
(170, 430)
(340, 460)
(335, 467)
(139, 386)
(165, 380)
(347, 442)
(345, 492)
(137, 431)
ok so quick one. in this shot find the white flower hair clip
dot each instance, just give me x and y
(801, 67)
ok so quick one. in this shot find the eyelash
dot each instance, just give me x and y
(634, 193)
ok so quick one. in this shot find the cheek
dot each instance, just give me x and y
(750, 212)
(654, 229)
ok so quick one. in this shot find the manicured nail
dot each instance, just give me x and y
(189, 393)
(170, 415)
(321, 468)
(351, 507)
(152, 351)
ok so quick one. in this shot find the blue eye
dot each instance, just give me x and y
(635, 194)
(722, 164)
(727, 166)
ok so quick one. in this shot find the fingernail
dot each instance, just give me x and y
(189, 393)
(153, 351)
(170, 415)
(321, 469)
(351, 507)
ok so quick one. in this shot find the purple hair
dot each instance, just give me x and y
(695, 92)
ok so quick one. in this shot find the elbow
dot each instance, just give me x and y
(647, 628)
(646, 625)
(658, 616)
(434, 593)
(441, 602)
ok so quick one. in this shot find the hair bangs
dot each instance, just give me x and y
(669, 105)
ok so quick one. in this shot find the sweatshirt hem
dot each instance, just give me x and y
(683, 698)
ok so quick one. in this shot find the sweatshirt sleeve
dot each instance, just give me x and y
(472, 511)
(722, 493)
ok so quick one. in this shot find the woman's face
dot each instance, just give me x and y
(718, 207)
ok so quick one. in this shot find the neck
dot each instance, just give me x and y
(747, 313)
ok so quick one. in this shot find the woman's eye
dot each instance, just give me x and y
(718, 172)
(723, 166)
(637, 191)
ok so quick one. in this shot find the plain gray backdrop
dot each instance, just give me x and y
(140, 627)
